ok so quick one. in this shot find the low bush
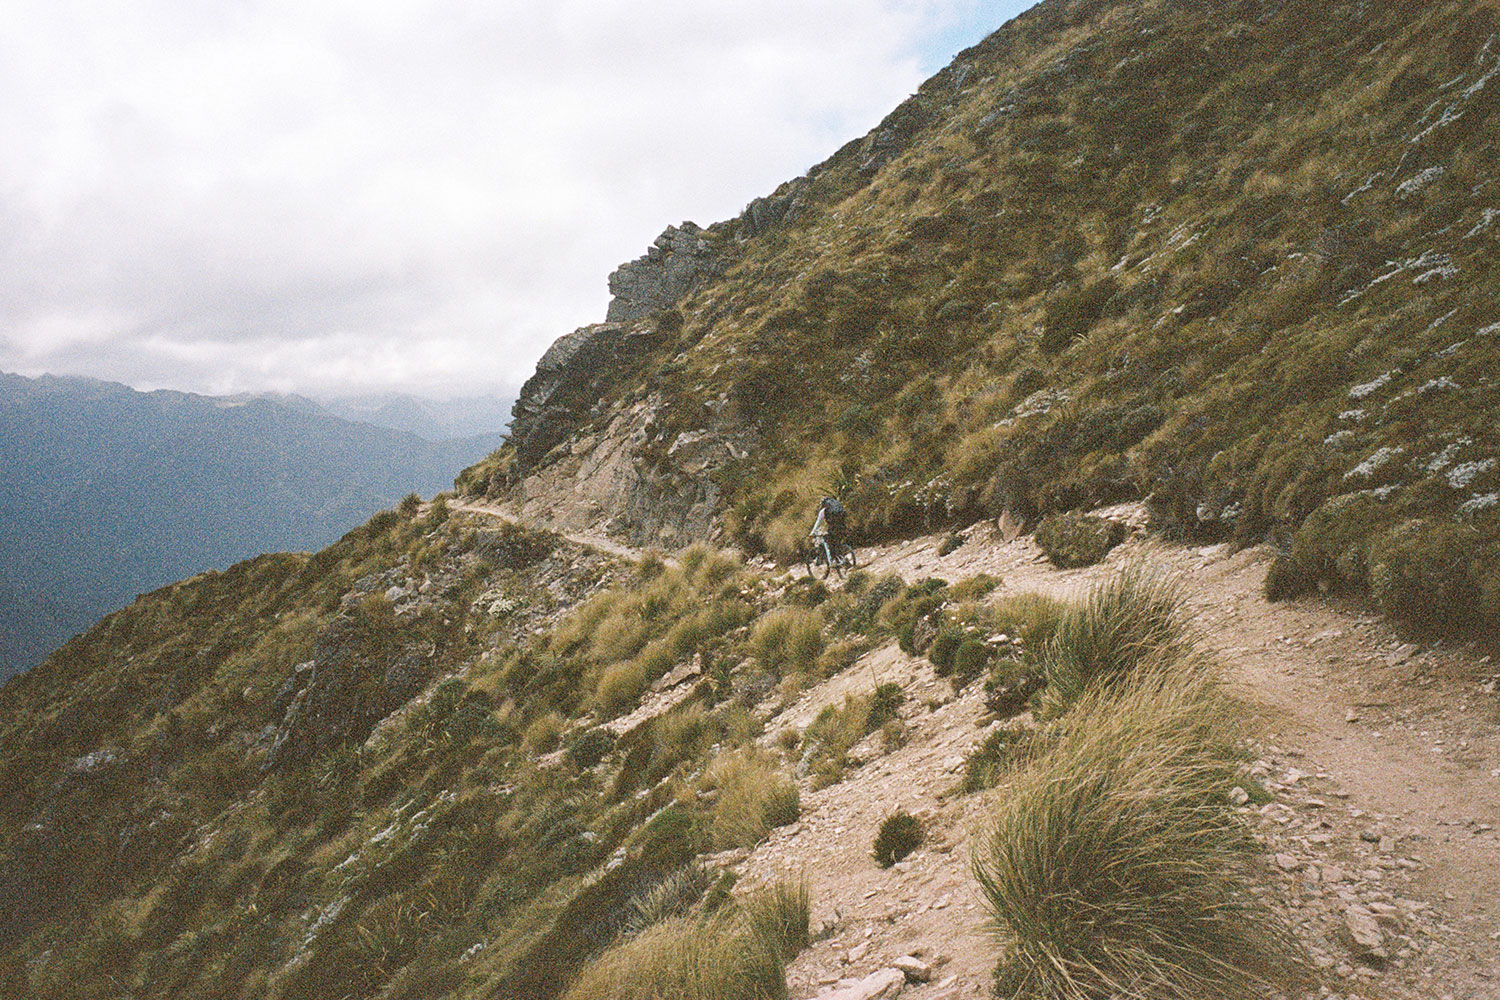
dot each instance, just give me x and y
(1075, 540)
(1010, 686)
(969, 661)
(1116, 866)
(943, 650)
(1424, 572)
(1001, 752)
(1133, 618)
(900, 833)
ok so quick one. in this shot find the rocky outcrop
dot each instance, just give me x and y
(636, 481)
(681, 259)
(357, 677)
(569, 380)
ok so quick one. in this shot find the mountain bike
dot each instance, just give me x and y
(824, 557)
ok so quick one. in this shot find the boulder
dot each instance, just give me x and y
(883, 985)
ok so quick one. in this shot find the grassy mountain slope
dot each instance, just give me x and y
(106, 493)
(1119, 249)
(1234, 257)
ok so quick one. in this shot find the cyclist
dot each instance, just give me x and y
(832, 524)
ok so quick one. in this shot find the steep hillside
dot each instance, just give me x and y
(1234, 258)
(106, 493)
(1226, 264)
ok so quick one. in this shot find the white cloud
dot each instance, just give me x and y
(391, 193)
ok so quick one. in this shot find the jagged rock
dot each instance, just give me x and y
(569, 379)
(1364, 931)
(883, 985)
(680, 260)
(915, 970)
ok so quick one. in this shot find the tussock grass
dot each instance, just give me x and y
(1115, 866)
(1131, 618)
(738, 953)
(754, 798)
(789, 640)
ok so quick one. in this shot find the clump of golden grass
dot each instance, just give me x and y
(737, 953)
(754, 798)
(789, 640)
(1132, 617)
(1115, 866)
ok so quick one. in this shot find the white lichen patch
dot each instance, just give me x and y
(1338, 438)
(1477, 503)
(1445, 458)
(1378, 460)
(1357, 416)
(1437, 385)
(1486, 220)
(1407, 189)
(1462, 476)
(1372, 386)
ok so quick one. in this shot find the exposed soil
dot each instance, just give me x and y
(1382, 754)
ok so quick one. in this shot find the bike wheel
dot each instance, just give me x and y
(847, 557)
(831, 563)
(810, 559)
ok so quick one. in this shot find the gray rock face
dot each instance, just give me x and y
(355, 679)
(569, 379)
(680, 260)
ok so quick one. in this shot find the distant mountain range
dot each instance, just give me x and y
(106, 492)
(433, 419)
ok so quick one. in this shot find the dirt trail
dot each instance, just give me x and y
(1383, 756)
(599, 542)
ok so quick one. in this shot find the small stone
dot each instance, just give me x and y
(943, 902)
(859, 951)
(883, 985)
(915, 970)
(1238, 796)
(1288, 862)
(1365, 933)
(1351, 716)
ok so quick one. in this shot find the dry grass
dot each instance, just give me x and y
(1115, 866)
(738, 953)
(754, 798)
(1132, 618)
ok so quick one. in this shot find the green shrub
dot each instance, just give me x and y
(1010, 686)
(943, 649)
(590, 746)
(1132, 619)
(1424, 572)
(1075, 540)
(1330, 545)
(900, 833)
(885, 705)
(1002, 751)
(1116, 866)
(969, 661)
(672, 897)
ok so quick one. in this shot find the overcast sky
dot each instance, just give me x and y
(330, 196)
